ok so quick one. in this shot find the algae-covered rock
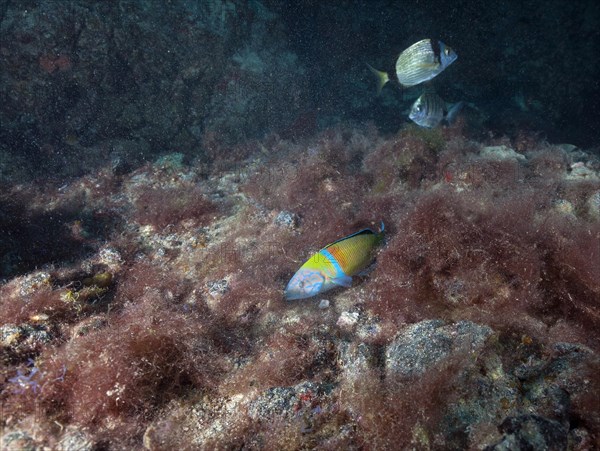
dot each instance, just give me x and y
(421, 346)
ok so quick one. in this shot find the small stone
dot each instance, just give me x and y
(282, 401)
(10, 335)
(217, 287)
(531, 432)
(579, 171)
(39, 318)
(34, 282)
(355, 359)
(593, 205)
(501, 153)
(110, 257)
(368, 331)
(287, 219)
(565, 207)
(75, 439)
(347, 320)
(324, 304)
(17, 441)
(36, 335)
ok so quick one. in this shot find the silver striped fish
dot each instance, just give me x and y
(420, 62)
(429, 110)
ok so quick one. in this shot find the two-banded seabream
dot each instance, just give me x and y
(421, 62)
(429, 110)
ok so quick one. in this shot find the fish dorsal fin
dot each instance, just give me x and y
(366, 231)
(360, 232)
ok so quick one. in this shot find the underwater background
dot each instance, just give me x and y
(166, 167)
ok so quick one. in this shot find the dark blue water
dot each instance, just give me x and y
(130, 79)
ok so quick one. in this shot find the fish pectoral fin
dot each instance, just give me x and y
(453, 112)
(344, 281)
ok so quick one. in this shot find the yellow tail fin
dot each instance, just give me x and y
(382, 78)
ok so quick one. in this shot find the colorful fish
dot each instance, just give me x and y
(420, 62)
(334, 265)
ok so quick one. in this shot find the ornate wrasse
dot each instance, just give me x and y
(334, 265)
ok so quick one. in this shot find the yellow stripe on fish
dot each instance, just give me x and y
(334, 265)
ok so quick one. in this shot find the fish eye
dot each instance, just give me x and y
(447, 51)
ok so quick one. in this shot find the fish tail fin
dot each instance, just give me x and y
(382, 77)
(453, 112)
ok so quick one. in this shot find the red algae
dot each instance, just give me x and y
(396, 413)
(161, 207)
(177, 334)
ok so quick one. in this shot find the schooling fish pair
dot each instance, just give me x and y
(334, 265)
(419, 63)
